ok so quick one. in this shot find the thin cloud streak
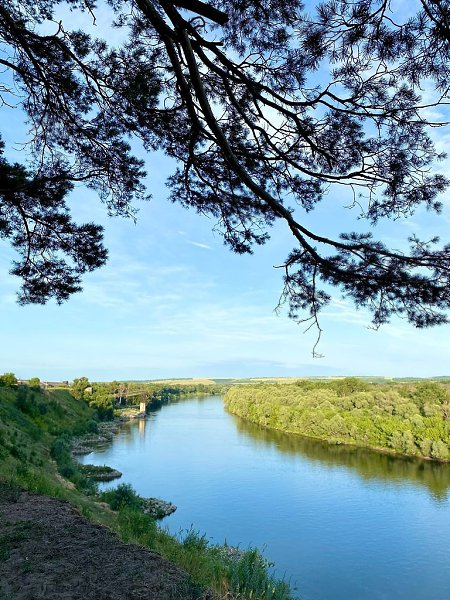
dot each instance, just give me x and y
(200, 245)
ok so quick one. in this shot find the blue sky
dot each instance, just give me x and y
(174, 302)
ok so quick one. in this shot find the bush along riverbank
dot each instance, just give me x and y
(36, 432)
(408, 419)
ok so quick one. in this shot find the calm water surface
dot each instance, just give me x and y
(340, 523)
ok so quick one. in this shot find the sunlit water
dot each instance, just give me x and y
(340, 523)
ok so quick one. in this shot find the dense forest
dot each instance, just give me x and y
(411, 419)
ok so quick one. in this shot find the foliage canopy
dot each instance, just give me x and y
(234, 92)
(407, 419)
(8, 379)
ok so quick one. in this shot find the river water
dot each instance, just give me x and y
(340, 523)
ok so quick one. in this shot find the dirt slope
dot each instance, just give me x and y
(49, 550)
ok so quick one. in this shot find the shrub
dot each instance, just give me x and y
(42, 408)
(122, 496)
(194, 541)
(21, 398)
(60, 450)
(67, 470)
(92, 426)
(105, 413)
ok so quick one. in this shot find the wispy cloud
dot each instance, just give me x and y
(200, 245)
(343, 311)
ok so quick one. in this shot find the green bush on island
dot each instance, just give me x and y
(99, 473)
(410, 419)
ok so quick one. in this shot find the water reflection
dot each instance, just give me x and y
(141, 427)
(368, 463)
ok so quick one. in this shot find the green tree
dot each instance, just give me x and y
(408, 444)
(79, 386)
(439, 450)
(425, 447)
(34, 382)
(282, 143)
(8, 379)
(349, 385)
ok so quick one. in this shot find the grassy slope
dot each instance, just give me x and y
(35, 425)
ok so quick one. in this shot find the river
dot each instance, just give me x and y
(340, 523)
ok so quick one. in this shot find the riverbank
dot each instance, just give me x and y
(49, 550)
(409, 419)
(340, 522)
(37, 469)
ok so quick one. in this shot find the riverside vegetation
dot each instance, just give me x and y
(36, 428)
(106, 396)
(405, 418)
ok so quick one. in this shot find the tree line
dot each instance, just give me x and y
(105, 397)
(410, 419)
(108, 396)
